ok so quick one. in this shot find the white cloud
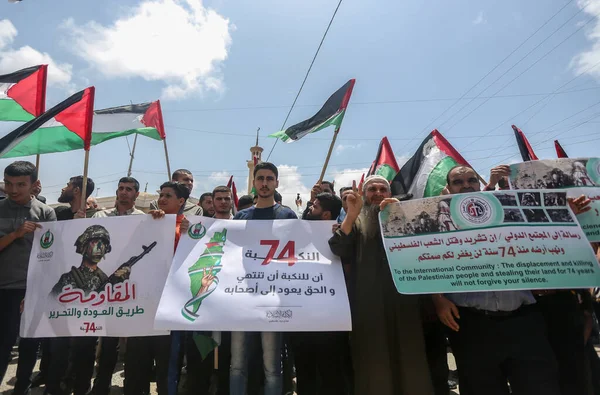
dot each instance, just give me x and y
(344, 178)
(290, 184)
(8, 32)
(220, 177)
(586, 60)
(341, 147)
(179, 42)
(13, 59)
(480, 19)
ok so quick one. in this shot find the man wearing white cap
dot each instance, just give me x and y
(388, 348)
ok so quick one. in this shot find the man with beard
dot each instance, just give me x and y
(206, 203)
(72, 195)
(496, 336)
(58, 347)
(322, 187)
(182, 176)
(318, 356)
(387, 342)
(265, 183)
(222, 202)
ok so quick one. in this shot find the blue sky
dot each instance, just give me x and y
(224, 68)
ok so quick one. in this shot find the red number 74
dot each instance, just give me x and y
(287, 254)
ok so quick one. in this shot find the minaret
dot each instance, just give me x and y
(255, 159)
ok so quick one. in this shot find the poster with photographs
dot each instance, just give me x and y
(97, 276)
(580, 176)
(487, 241)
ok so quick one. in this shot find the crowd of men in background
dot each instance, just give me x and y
(517, 342)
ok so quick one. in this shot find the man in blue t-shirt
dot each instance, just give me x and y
(265, 183)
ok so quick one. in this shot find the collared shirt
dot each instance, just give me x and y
(493, 300)
(14, 259)
(113, 212)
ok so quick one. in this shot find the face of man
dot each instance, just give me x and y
(67, 194)
(462, 180)
(207, 206)
(317, 213)
(344, 199)
(187, 180)
(18, 189)
(326, 188)
(91, 203)
(265, 183)
(222, 202)
(126, 194)
(376, 192)
(95, 251)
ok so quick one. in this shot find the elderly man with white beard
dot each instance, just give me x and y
(387, 342)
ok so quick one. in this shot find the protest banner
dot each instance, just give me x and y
(487, 241)
(578, 177)
(97, 277)
(255, 276)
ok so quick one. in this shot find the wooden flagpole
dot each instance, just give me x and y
(37, 163)
(132, 155)
(86, 162)
(335, 134)
(167, 159)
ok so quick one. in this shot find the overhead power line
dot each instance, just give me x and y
(306, 76)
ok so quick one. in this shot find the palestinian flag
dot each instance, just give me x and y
(64, 127)
(145, 119)
(385, 162)
(560, 152)
(231, 185)
(424, 175)
(23, 94)
(332, 113)
(108, 124)
(524, 147)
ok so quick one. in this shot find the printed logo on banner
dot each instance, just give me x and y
(203, 274)
(197, 231)
(279, 315)
(46, 240)
(476, 210)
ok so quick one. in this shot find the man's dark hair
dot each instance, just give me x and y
(277, 197)
(344, 189)
(330, 185)
(181, 191)
(266, 166)
(221, 188)
(454, 168)
(22, 168)
(246, 200)
(77, 182)
(131, 180)
(330, 203)
(204, 196)
(179, 172)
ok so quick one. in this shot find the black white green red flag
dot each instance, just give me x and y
(424, 175)
(107, 124)
(332, 113)
(23, 94)
(385, 163)
(64, 127)
(525, 148)
(560, 152)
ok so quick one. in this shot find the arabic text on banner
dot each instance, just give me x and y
(65, 298)
(255, 276)
(487, 241)
(578, 177)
